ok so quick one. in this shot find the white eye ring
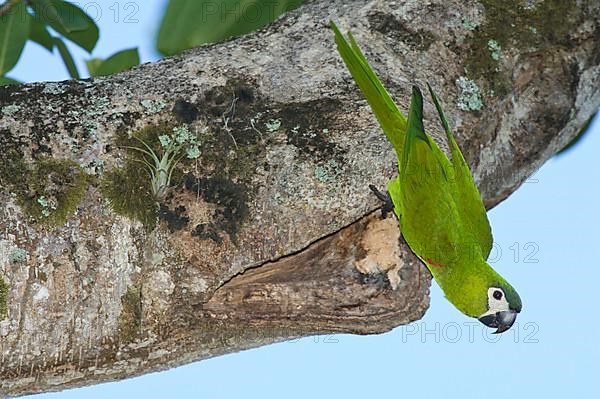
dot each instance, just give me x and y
(497, 300)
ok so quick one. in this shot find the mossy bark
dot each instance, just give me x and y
(3, 299)
(262, 238)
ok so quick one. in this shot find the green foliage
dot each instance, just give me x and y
(67, 58)
(61, 15)
(69, 21)
(4, 80)
(73, 23)
(189, 23)
(186, 23)
(121, 61)
(14, 30)
(40, 35)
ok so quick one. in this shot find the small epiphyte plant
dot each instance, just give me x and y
(160, 164)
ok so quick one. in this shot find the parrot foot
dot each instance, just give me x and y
(388, 205)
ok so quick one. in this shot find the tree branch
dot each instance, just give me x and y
(269, 236)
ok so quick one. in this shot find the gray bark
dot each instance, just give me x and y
(275, 236)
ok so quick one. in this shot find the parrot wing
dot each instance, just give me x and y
(423, 192)
(468, 199)
(430, 220)
(389, 116)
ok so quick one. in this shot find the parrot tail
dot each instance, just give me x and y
(389, 116)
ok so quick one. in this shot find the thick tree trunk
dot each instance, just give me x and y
(271, 234)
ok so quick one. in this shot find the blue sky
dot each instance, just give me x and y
(546, 245)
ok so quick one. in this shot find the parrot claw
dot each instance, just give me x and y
(388, 205)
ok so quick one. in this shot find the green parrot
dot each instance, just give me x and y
(439, 209)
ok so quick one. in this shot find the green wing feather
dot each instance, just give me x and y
(389, 116)
(430, 221)
(466, 193)
(415, 129)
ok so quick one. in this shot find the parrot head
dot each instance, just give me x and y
(481, 293)
(503, 304)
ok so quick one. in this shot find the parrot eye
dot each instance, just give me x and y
(497, 300)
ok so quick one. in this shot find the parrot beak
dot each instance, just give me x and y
(501, 320)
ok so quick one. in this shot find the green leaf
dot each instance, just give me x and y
(189, 23)
(39, 34)
(118, 62)
(56, 14)
(93, 65)
(14, 30)
(83, 29)
(45, 10)
(67, 58)
(4, 81)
